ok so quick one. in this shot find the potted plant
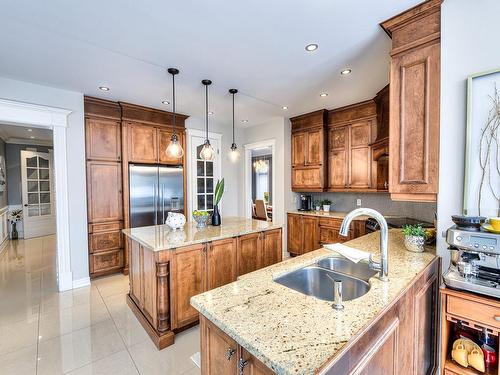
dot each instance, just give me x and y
(219, 190)
(14, 217)
(414, 238)
(317, 205)
(326, 204)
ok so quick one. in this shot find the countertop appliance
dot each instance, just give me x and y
(475, 261)
(395, 222)
(154, 191)
(305, 202)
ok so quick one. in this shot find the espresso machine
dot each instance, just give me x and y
(475, 260)
(305, 202)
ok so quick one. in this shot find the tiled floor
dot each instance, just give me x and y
(85, 331)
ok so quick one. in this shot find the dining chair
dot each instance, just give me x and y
(260, 210)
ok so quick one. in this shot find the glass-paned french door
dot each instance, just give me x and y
(205, 177)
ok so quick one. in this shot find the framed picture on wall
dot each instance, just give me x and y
(482, 149)
(3, 173)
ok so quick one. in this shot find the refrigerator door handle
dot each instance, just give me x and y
(155, 204)
(163, 203)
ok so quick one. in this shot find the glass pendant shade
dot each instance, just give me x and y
(207, 153)
(234, 153)
(174, 149)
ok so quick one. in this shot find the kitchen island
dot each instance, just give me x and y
(257, 326)
(168, 267)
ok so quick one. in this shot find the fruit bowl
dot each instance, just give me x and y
(201, 218)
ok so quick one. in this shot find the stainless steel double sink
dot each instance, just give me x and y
(317, 280)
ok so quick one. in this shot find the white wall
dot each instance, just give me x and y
(230, 170)
(469, 44)
(73, 101)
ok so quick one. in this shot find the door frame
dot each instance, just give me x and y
(190, 133)
(56, 119)
(248, 173)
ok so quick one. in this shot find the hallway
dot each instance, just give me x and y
(88, 330)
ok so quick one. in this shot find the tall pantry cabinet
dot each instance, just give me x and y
(104, 186)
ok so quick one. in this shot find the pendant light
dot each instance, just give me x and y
(174, 149)
(207, 153)
(234, 154)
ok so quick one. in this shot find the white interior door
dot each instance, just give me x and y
(204, 174)
(38, 194)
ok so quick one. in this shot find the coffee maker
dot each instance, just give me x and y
(305, 202)
(475, 260)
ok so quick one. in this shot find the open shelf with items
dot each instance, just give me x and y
(473, 312)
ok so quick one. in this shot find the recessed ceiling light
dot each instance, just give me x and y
(30, 130)
(32, 137)
(244, 121)
(284, 108)
(103, 88)
(323, 94)
(210, 113)
(346, 72)
(311, 47)
(166, 102)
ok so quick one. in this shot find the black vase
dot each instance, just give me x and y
(216, 216)
(14, 234)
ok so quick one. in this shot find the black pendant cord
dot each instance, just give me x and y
(173, 100)
(233, 92)
(233, 118)
(206, 111)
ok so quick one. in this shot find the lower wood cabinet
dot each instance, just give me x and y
(163, 282)
(221, 355)
(308, 233)
(222, 264)
(189, 267)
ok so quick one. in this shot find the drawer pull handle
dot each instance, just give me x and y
(229, 353)
(497, 318)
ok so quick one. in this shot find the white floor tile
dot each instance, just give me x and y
(21, 362)
(18, 335)
(119, 363)
(73, 350)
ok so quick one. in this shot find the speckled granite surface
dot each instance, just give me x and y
(161, 237)
(332, 214)
(293, 333)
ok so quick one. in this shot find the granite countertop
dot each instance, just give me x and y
(161, 237)
(332, 214)
(296, 334)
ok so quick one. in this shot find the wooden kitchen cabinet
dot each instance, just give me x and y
(351, 130)
(252, 366)
(143, 143)
(415, 107)
(189, 267)
(222, 262)
(272, 249)
(221, 353)
(102, 139)
(249, 253)
(309, 160)
(104, 186)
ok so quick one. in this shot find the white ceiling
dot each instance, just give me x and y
(255, 46)
(23, 134)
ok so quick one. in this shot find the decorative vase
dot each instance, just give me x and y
(326, 207)
(175, 220)
(415, 244)
(318, 208)
(14, 235)
(216, 216)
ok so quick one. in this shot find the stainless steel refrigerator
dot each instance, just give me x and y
(154, 191)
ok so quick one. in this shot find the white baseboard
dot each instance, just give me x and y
(65, 281)
(80, 283)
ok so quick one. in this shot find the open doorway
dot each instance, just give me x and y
(28, 196)
(259, 180)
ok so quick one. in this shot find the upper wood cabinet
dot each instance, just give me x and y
(351, 130)
(149, 132)
(308, 151)
(414, 104)
(103, 139)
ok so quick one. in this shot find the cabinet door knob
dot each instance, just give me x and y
(497, 318)
(229, 353)
(241, 365)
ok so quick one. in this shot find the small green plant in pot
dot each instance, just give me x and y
(317, 205)
(414, 238)
(326, 204)
(219, 190)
